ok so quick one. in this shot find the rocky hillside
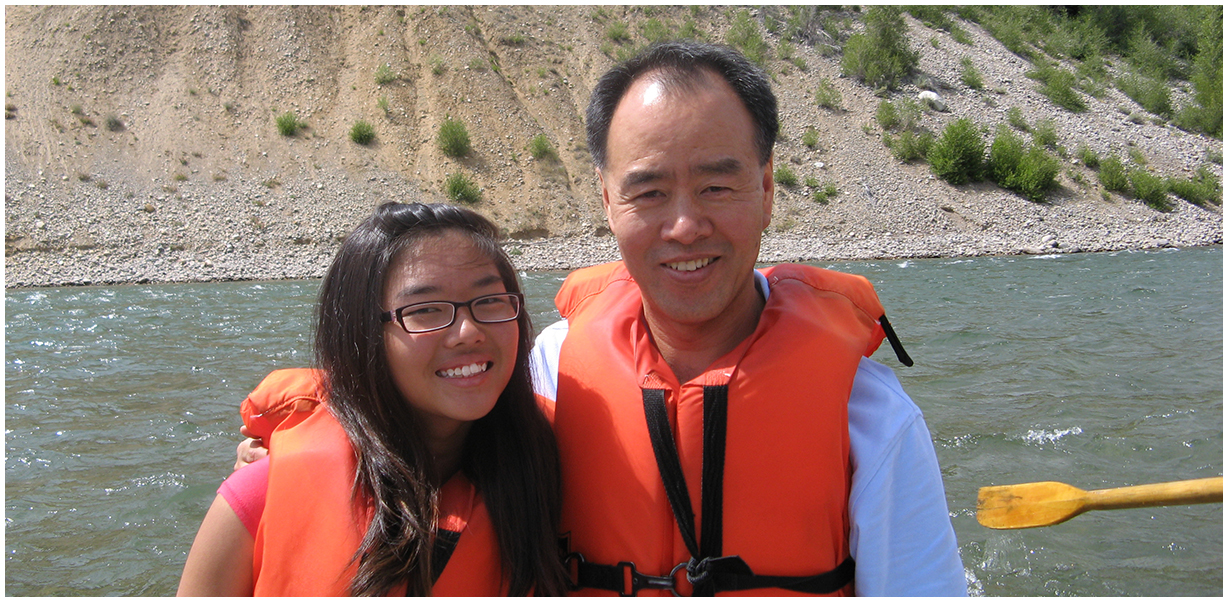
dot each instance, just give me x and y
(141, 142)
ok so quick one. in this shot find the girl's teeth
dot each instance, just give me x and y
(464, 371)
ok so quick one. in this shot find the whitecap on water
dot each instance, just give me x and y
(1041, 437)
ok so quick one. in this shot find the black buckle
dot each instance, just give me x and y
(641, 581)
(628, 577)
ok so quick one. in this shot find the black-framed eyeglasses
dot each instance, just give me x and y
(437, 315)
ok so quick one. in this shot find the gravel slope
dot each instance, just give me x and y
(198, 186)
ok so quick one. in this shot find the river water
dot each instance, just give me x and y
(1097, 370)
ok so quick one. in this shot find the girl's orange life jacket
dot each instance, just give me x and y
(786, 467)
(312, 524)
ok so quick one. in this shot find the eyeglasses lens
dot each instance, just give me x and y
(424, 317)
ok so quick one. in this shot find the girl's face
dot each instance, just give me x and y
(455, 375)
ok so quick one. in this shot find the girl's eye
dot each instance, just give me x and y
(422, 311)
(492, 301)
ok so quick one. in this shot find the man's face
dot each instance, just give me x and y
(685, 195)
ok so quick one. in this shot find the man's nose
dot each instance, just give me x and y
(688, 221)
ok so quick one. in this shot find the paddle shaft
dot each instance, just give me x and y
(1197, 491)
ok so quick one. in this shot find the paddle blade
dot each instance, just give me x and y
(1029, 505)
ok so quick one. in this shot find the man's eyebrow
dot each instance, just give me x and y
(641, 176)
(723, 166)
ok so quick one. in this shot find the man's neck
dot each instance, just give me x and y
(689, 349)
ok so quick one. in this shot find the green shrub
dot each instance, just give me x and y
(1087, 156)
(382, 103)
(910, 146)
(1147, 57)
(1036, 174)
(617, 32)
(1005, 154)
(886, 115)
(1031, 172)
(824, 193)
(654, 31)
(1058, 87)
(288, 123)
(827, 95)
(385, 75)
(1150, 189)
(362, 132)
(1045, 133)
(744, 35)
(437, 65)
(903, 114)
(960, 35)
(1136, 156)
(935, 17)
(540, 147)
(1206, 112)
(453, 138)
(958, 154)
(691, 31)
(1014, 116)
(811, 182)
(460, 189)
(784, 176)
(1150, 93)
(113, 123)
(785, 50)
(1113, 175)
(970, 76)
(1200, 190)
(881, 56)
(810, 138)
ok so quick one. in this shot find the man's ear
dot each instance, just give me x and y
(769, 193)
(605, 198)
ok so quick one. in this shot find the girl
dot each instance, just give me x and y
(428, 466)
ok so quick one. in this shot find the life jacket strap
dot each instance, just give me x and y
(725, 574)
(708, 571)
(896, 345)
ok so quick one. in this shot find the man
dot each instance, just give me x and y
(719, 427)
(701, 405)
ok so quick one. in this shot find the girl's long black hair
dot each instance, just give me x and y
(510, 454)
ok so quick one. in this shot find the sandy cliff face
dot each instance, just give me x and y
(143, 146)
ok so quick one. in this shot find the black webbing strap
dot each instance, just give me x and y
(823, 583)
(445, 544)
(896, 346)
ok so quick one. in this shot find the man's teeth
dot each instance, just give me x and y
(464, 371)
(690, 266)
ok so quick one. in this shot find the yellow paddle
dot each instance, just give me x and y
(1042, 504)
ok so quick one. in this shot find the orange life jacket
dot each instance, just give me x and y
(783, 507)
(312, 524)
